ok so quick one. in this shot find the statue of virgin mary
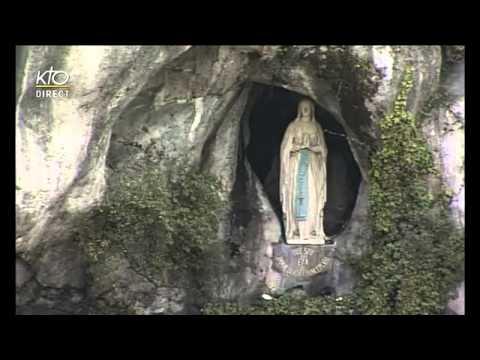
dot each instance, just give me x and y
(303, 178)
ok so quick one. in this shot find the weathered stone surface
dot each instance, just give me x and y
(27, 293)
(445, 132)
(37, 300)
(194, 102)
(22, 273)
(61, 145)
(457, 306)
(168, 301)
(62, 265)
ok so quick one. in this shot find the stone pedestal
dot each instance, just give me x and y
(301, 265)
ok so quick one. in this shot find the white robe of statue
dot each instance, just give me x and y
(303, 143)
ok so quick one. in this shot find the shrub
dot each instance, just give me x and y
(283, 305)
(165, 224)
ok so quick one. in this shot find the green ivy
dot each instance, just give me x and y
(398, 187)
(417, 252)
(283, 305)
(165, 224)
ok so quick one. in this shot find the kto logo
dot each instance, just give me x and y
(52, 83)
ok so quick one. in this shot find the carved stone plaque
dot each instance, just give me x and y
(301, 261)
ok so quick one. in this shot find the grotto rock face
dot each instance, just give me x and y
(194, 103)
(446, 137)
(445, 131)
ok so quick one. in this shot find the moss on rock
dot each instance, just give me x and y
(164, 224)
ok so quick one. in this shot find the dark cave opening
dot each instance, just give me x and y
(272, 110)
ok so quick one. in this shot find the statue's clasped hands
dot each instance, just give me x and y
(302, 142)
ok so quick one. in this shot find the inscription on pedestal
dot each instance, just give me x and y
(301, 262)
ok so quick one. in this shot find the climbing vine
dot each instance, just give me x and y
(417, 252)
(164, 223)
(398, 190)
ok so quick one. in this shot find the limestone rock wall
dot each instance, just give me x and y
(445, 130)
(191, 100)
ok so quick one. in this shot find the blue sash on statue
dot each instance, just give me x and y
(301, 193)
